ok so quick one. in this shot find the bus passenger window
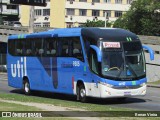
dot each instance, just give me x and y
(12, 47)
(53, 52)
(41, 51)
(28, 47)
(28, 52)
(19, 51)
(93, 63)
(63, 47)
(77, 49)
(38, 47)
(50, 44)
(20, 46)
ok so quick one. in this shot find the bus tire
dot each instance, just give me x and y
(26, 87)
(82, 93)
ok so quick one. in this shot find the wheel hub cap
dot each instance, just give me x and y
(82, 92)
(26, 87)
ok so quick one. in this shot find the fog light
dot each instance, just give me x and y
(109, 93)
(144, 92)
(143, 84)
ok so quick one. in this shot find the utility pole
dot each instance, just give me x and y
(1, 12)
(31, 20)
(105, 19)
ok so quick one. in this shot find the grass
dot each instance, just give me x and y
(61, 102)
(16, 107)
(13, 107)
(65, 103)
(4, 106)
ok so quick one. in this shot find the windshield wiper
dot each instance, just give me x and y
(121, 69)
(130, 68)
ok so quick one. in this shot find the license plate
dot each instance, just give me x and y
(128, 93)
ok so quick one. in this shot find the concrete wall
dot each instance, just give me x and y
(153, 68)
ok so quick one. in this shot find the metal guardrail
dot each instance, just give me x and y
(152, 40)
(24, 28)
(5, 31)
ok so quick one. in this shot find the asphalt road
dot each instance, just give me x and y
(150, 102)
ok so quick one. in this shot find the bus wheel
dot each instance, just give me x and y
(82, 93)
(26, 87)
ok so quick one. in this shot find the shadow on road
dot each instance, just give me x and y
(59, 96)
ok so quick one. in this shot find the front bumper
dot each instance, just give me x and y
(107, 92)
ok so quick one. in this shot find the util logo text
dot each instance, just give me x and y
(20, 68)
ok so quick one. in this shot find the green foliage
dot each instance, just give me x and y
(96, 23)
(141, 18)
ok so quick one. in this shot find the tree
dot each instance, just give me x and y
(141, 18)
(96, 23)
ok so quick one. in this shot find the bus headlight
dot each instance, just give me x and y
(143, 84)
(105, 84)
(108, 85)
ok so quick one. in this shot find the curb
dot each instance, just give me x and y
(3, 73)
(154, 86)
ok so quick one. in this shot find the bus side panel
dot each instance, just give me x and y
(15, 71)
(66, 72)
(31, 67)
(70, 70)
(39, 73)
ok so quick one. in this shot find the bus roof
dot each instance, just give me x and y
(108, 34)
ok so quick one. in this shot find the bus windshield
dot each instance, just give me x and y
(123, 65)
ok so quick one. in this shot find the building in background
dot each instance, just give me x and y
(9, 12)
(74, 13)
(41, 15)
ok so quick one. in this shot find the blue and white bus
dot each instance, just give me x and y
(95, 62)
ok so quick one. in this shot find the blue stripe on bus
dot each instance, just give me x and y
(125, 83)
(54, 73)
(50, 66)
(46, 64)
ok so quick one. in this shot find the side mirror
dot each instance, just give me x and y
(151, 52)
(98, 51)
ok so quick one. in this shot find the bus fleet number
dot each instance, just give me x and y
(76, 63)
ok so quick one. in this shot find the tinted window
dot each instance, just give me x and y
(26, 47)
(38, 47)
(49, 47)
(19, 47)
(63, 45)
(77, 49)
